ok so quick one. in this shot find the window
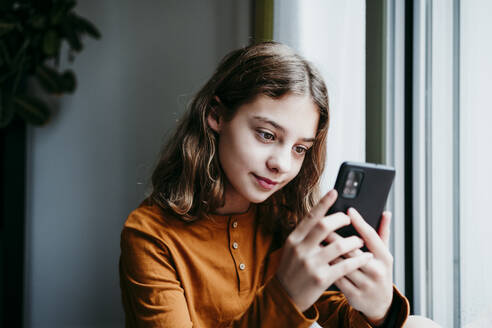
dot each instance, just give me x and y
(451, 72)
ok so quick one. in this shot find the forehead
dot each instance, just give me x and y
(296, 114)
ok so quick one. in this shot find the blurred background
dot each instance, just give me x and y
(408, 84)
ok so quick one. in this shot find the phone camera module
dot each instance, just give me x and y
(352, 184)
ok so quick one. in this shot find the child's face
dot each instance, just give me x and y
(263, 147)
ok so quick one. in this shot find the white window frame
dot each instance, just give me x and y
(394, 114)
(436, 160)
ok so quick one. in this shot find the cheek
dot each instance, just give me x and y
(296, 170)
(244, 148)
(237, 152)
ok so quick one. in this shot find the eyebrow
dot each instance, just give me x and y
(278, 126)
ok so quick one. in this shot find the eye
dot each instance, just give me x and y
(300, 150)
(266, 135)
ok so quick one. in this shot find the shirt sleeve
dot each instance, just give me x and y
(272, 307)
(151, 293)
(153, 296)
(335, 311)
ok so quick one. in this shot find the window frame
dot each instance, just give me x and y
(420, 70)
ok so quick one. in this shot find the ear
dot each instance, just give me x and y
(214, 118)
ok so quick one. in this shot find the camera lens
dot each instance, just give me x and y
(352, 184)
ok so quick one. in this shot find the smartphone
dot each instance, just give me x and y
(365, 187)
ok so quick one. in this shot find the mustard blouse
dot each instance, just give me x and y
(217, 272)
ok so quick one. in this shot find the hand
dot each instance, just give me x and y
(370, 288)
(304, 270)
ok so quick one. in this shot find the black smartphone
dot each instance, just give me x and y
(365, 187)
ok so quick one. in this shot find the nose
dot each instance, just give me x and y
(280, 161)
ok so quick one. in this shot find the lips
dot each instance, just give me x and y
(265, 183)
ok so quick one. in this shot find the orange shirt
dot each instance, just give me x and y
(216, 272)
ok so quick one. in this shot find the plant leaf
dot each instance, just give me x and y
(38, 22)
(19, 75)
(6, 27)
(5, 53)
(18, 57)
(31, 109)
(51, 43)
(5, 76)
(87, 26)
(71, 36)
(49, 79)
(60, 10)
(68, 81)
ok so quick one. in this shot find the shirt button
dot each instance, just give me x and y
(234, 224)
(242, 266)
(235, 245)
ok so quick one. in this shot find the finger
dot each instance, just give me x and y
(346, 286)
(372, 240)
(325, 227)
(340, 247)
(337, 260)
(346, 266)
(370, 270)
(384, 227)
(314, 216)
(359, 278)
(334, 237)
(324, 204)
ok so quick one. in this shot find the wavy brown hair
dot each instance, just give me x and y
(188, 179)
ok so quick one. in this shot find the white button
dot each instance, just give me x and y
(242, 266)
(235, 245)
(234, 224)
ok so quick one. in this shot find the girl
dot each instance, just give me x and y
(232, 234)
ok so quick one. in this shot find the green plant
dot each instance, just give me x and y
(31, 36)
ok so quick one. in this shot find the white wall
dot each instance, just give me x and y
(475, 163)
(88, 168)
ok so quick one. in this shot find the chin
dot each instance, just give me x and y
(258, 201)
(258, 198)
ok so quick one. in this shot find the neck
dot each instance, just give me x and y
(225, 210)
(234, 203)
